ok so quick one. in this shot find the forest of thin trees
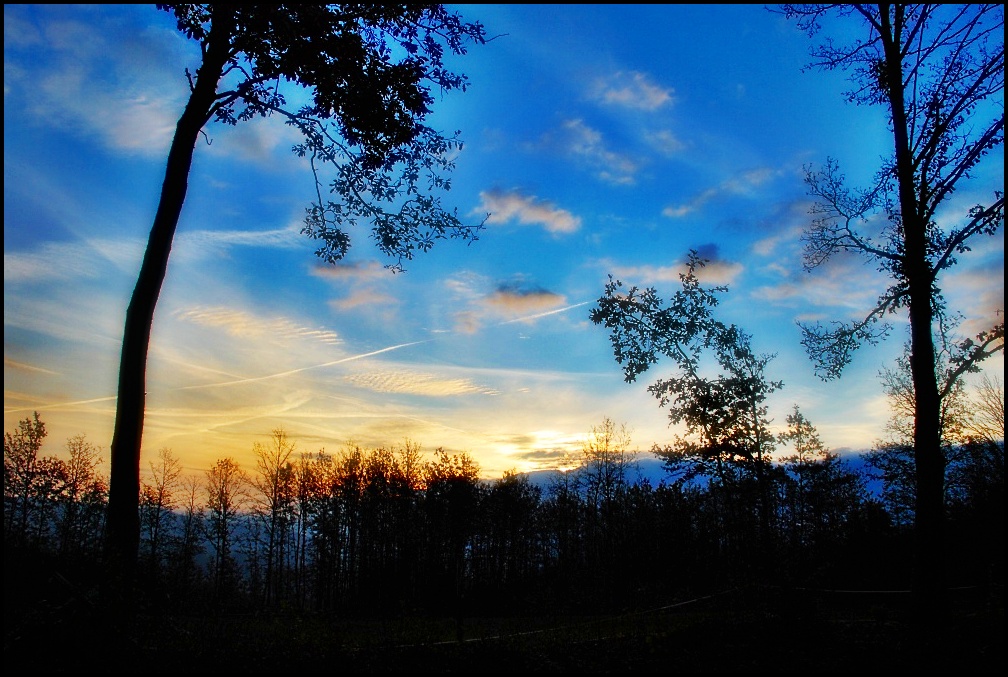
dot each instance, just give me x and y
(395, 530)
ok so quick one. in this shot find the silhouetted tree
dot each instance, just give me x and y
(21, 456)
(727, 431)
(188, 543)
(157, 505)
(83, 489)
(227, 493)
(369, 70)
(606, 460)
(274, 483)
(893, 458)
(451, 499)
(802, 437)
(510, 540)
(938, 71)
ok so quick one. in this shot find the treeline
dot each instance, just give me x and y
(389, 531)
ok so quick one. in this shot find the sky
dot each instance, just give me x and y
(601, 139)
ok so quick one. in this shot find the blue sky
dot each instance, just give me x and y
(602, 139)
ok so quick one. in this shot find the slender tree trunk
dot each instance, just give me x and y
(928, 577)
(123, 522)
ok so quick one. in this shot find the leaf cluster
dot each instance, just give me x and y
(369, 71)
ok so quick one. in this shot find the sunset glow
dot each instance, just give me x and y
(600, 139)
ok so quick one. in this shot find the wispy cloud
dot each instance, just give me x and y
(588, 145)
(843, 288)
(412, 382)
(351, 270)
(128, 96)
(364, 298)
(507, 206)
(511, 301)
(291, 372)
(244, 324)
(633, 90)
(743, 184)
(59, 261)
(21, 366)
(202, 243)
(664, 141)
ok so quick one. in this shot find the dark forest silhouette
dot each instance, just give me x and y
(392, 532)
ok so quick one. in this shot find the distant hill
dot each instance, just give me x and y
(648, 466)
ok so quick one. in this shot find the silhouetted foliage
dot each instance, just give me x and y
(937, 70)
(390, 533)
(368, 71)
(727, 442)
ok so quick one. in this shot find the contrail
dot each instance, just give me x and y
(548, 312)
(253, 379)
(56, 405)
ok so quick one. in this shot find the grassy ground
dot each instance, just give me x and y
(774, 631)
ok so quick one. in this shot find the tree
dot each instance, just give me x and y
(189, 542)
(808, 448)
(988, 420)
(274, 481)
(938, 72)
(369, 70)
(227, 495)
(451, 501)
(157, 503)
(606, 459)
(725, 416)
(21, 449)
(81, 485)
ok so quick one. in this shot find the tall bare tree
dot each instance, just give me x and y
(21, 457)
(157, 502)
(274, 483)
(938, 72)
(227, 491)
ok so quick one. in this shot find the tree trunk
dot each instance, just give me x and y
(928, 575)
(123, 523)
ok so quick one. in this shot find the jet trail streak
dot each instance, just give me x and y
(253, 379)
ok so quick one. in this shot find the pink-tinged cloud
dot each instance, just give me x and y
(350, 270)
(510, 206)
(367, 298)
(715, 272)
(510, 300)
(417, 383)
(241, 323)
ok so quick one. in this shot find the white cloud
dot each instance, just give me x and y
(664, 141)
(632, 90)
(526, 210)
(587, 143)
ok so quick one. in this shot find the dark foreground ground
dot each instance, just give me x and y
(733, 631)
